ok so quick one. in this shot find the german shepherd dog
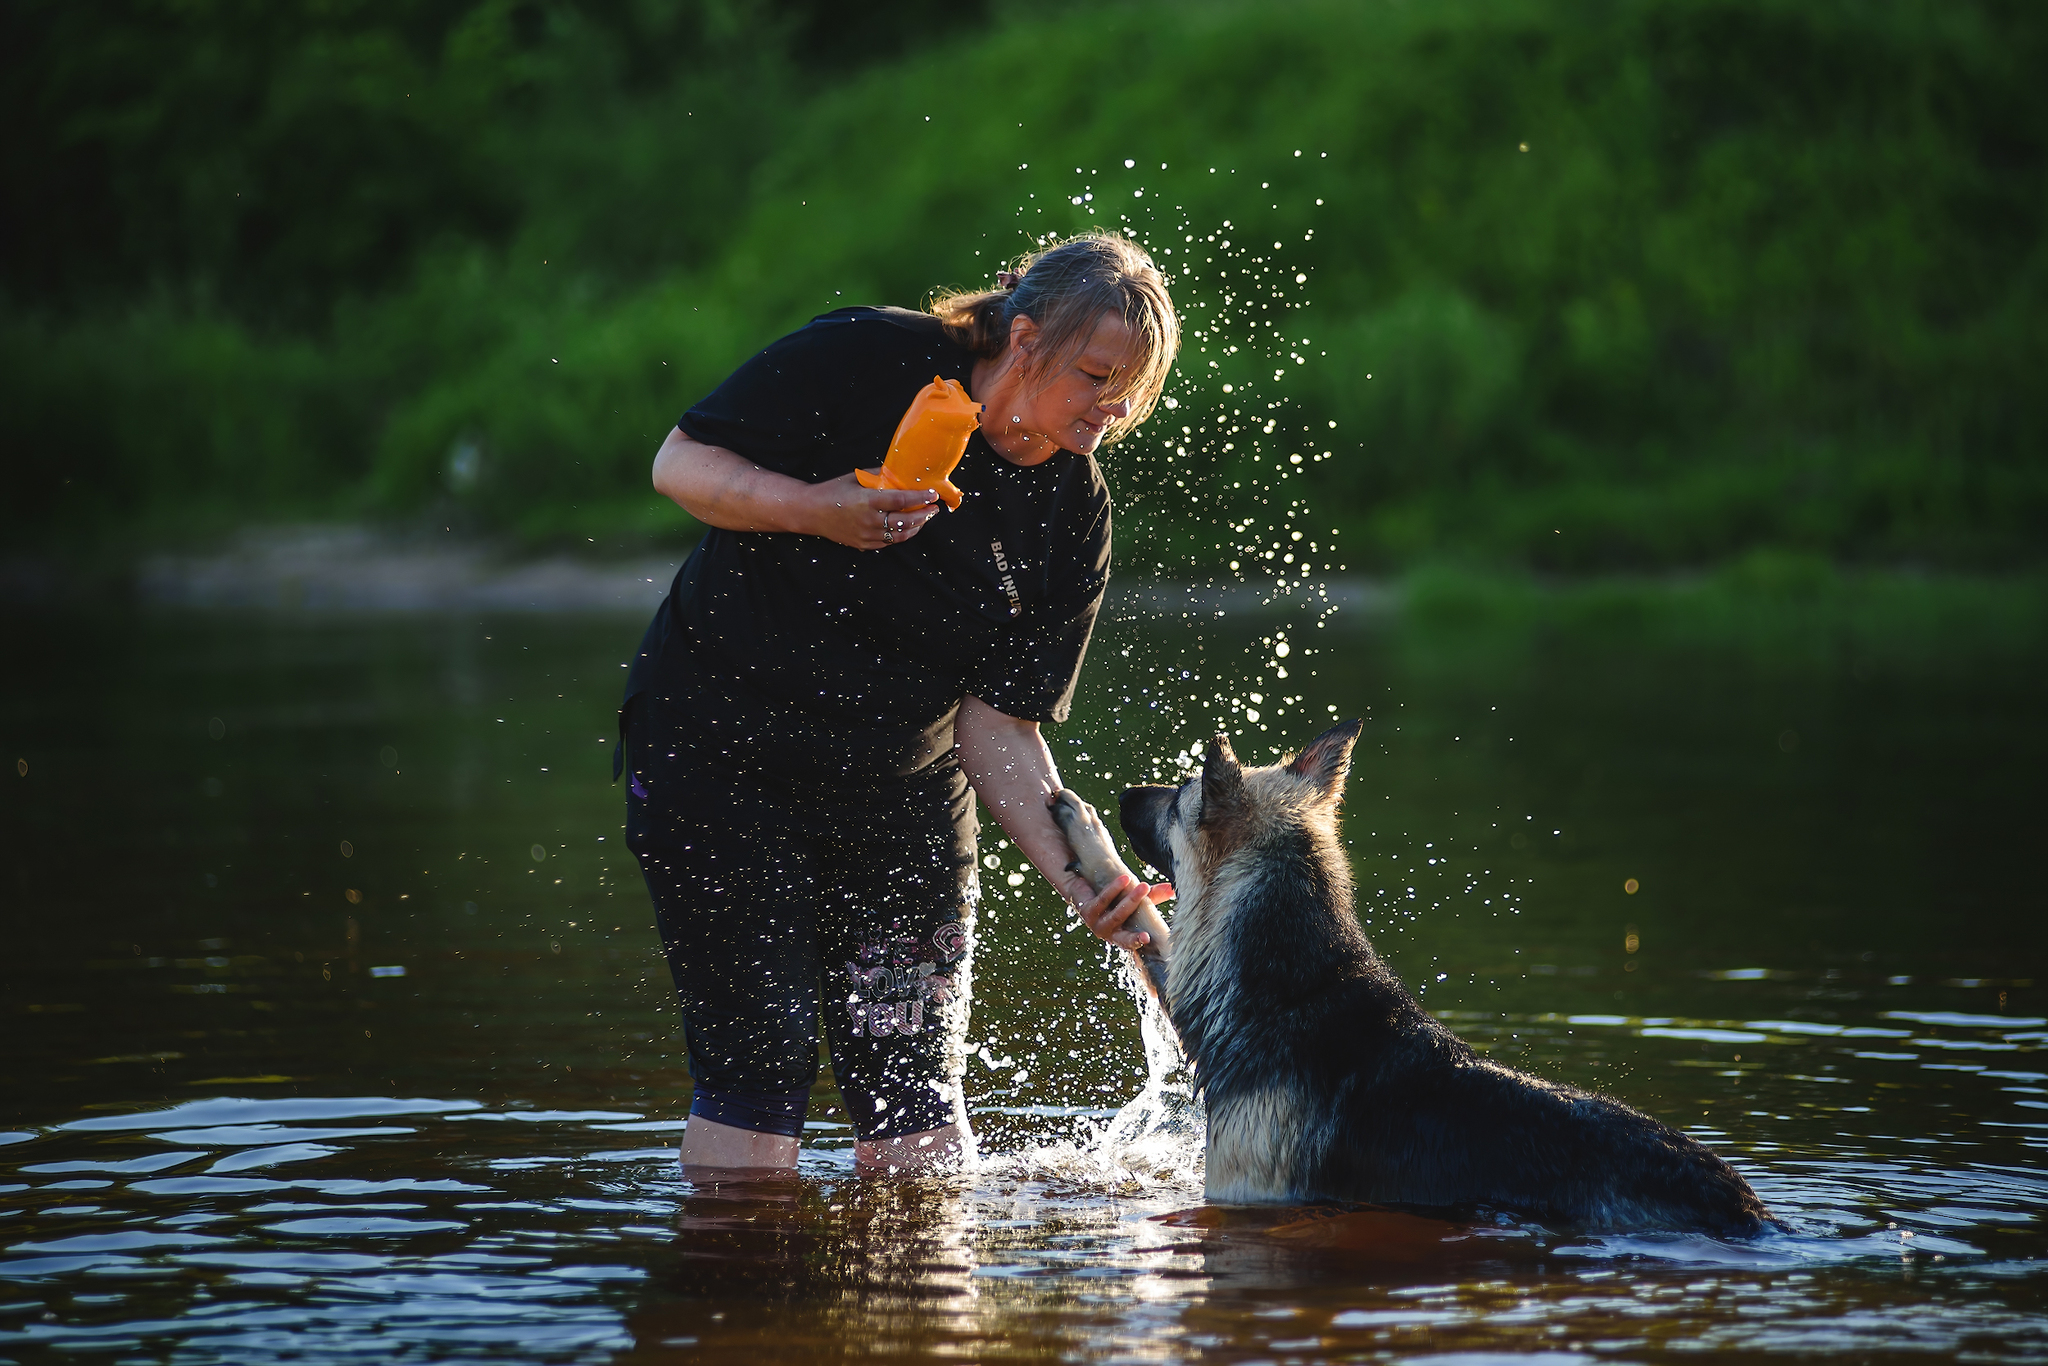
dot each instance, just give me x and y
(1324, 1079)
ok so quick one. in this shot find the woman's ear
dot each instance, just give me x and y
(1023, 333)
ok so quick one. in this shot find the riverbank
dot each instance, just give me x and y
(358, 569)
(1783, 604)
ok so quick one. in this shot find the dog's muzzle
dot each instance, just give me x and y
(1145, 813)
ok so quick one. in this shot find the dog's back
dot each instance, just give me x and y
(1439, 1125)
(1326, 1080)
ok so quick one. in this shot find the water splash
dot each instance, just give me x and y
(1212, 486)
(1213, 492)
(1215, 500)
(1163, 1132)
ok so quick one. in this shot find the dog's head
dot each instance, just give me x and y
(1186, 831)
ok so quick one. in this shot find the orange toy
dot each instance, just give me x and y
(929, 442)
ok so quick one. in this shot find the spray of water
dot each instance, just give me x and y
(1211, 498)
(1216, 525)
(1162, 1132)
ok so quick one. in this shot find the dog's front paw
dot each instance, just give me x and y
(1095, 856)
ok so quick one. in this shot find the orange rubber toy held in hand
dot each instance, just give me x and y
(929, 442)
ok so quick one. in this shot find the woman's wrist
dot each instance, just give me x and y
(799, 507)
(784, 503)
(1078, 891)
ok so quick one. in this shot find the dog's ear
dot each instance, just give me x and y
(1328, 758)
(1222, 781)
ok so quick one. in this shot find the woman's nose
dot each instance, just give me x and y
(1119, 409)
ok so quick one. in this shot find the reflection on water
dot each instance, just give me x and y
(336, 1028)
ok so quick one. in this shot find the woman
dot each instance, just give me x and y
(839, 671)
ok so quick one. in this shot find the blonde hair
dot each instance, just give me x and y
(1065, 289)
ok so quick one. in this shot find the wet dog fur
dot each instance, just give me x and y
(1324, 1079)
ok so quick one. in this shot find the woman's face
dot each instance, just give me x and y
(1070, 410)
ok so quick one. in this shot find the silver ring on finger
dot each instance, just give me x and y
(887, 536)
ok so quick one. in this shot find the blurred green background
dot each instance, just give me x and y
(1638, 286)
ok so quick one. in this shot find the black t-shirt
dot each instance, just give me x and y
(819, 661)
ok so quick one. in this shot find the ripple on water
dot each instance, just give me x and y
(446, 1229)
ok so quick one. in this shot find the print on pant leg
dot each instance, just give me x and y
(895, 980)
(929, 987)
(902, 941)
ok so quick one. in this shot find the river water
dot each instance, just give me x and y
(336, 1029)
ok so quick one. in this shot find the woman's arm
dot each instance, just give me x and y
(1012, 772)
(723, 489)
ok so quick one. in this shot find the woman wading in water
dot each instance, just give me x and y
(839, 672)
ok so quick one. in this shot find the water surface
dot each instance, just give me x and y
(337, 1030)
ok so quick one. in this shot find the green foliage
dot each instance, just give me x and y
(1783, 610)
(1590, 286)
(272, 158)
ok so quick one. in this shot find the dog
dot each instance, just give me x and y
(1326, 1080)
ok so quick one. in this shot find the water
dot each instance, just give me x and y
(237, 1133)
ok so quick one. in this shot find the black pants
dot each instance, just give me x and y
(774, 895)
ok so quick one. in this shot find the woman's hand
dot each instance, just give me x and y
(1013, 773)
(1105, 912)
(845, 511)
(722, 489)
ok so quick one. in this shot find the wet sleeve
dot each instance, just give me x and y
(1031, 672)
(787, 408)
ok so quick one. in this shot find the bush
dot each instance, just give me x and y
(1588, 287)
